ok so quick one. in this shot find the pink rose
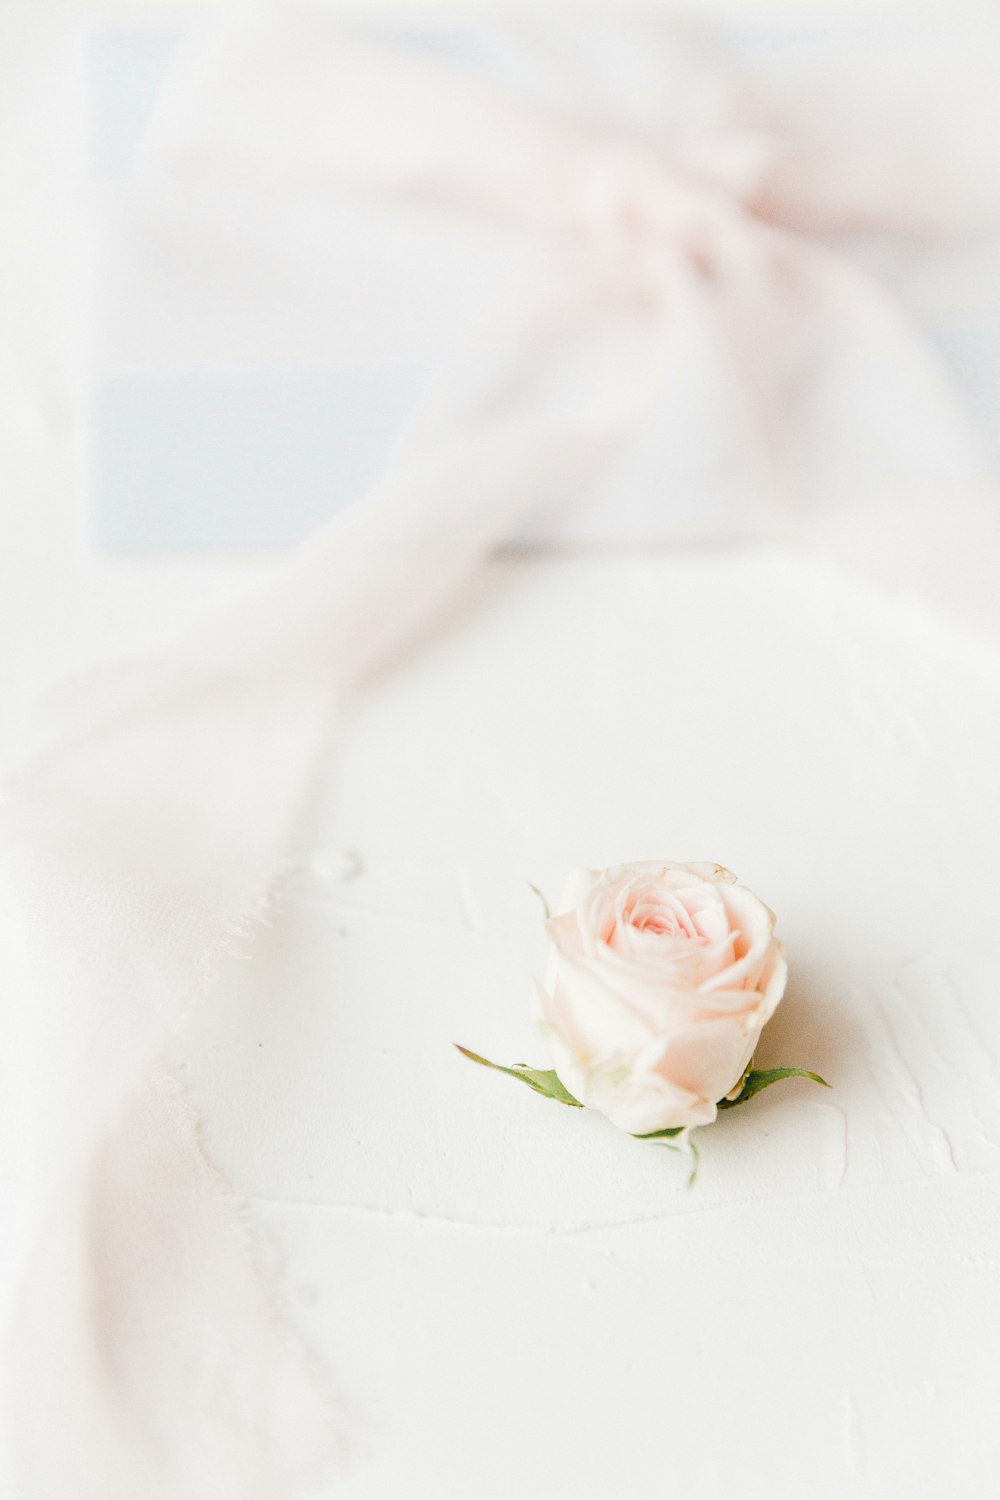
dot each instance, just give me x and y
(661, 980)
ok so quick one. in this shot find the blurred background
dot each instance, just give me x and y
(228, 289)
(218, 360)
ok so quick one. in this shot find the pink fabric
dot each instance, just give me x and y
(153, 1359)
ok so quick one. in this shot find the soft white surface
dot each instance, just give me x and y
(515, 1298)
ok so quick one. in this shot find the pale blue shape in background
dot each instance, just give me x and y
(196, 463)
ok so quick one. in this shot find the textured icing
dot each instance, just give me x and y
(515, 1298)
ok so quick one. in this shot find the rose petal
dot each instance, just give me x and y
(595, 1021)
(642, 1103)
(709, 1058)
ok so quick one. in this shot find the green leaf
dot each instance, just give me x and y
(762, 1078)
(665, 1138)
(543, 1081)
(695, 1161)
(541, 896)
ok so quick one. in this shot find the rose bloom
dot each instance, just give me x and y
(661, 980)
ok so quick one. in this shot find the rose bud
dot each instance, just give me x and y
(661, 979)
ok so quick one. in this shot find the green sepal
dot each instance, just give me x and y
(543, 1081)
(546, 908)
(762, 1078)
(665, 1138)
(695, 1161)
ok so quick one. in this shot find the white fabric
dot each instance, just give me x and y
(152, 1358)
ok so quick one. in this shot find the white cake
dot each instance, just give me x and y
(515, 1298)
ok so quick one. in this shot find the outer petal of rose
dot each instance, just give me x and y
(593, 1022)
(581, 1074)
(662, 1002)
(641, 1103)
(758, 1005)
(670, 869)
(772, 980)
(718, 874)
(573, 934)
(710, 1058)
(570, 1071)
(565, 935)
(616, 874)
(746, 1008)
(756, 922)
